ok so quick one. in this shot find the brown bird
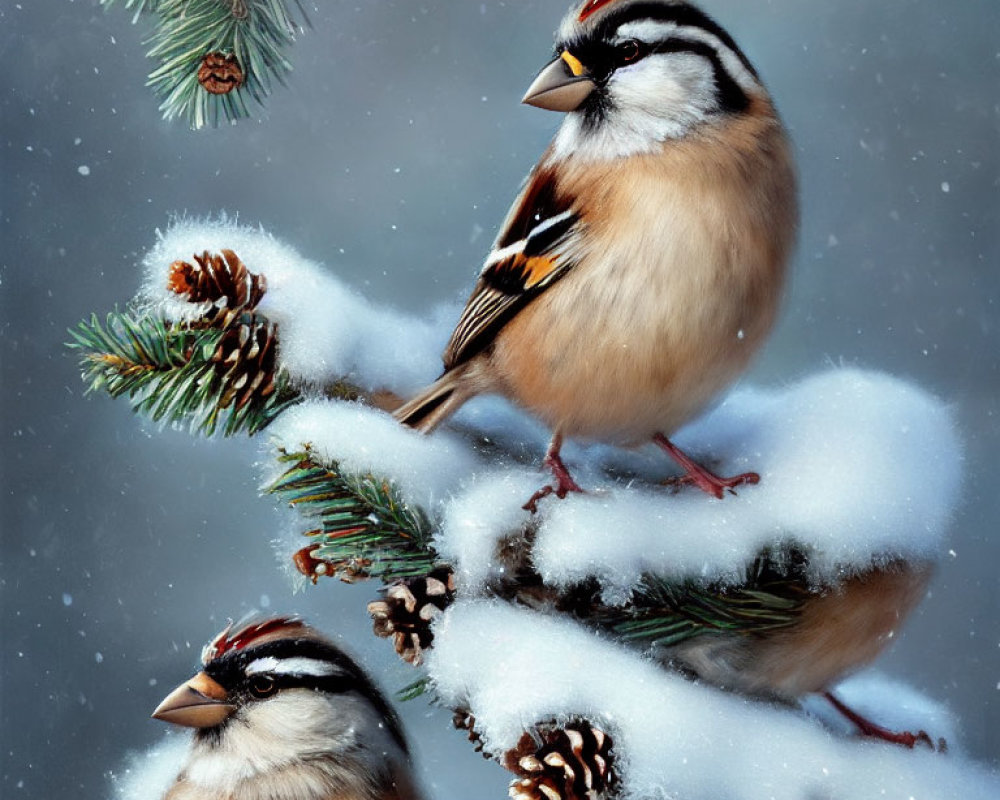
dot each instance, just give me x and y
(280, 713)
(641, 266)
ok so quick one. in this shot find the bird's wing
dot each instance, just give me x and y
(537, 245)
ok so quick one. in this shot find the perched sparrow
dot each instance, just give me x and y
(641, 266)
(282, 714)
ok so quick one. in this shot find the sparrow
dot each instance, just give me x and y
(281, 713)
(642, 264)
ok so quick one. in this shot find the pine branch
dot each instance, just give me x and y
(214, 55)
(665, 613)
(181, 374)
(366, 529)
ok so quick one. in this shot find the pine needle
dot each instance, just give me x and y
(414, 690)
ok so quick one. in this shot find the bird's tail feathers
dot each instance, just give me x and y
(435, 403)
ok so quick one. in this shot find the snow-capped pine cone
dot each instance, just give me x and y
(222, 280)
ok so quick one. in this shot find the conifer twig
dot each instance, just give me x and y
(366, 529)
(215, 55)
(666, 612)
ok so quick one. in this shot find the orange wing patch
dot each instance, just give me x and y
(537, 269)
(592, 8)
(520, 273)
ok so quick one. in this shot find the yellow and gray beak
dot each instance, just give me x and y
(199, 703)
(562, 85)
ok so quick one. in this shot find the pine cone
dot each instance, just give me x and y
(247, 359)
(224, 281)
(409, 608)
(220, 73)
(574, 763)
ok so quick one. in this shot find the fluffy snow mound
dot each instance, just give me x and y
(327, 330)
(857, 468)
(673, 738)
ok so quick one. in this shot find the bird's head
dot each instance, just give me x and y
(631, 74)
(273, 693)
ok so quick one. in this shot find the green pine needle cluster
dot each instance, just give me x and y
(665, 613)
(366, 529)
(168, 372)
(257, 32)
(412, 691)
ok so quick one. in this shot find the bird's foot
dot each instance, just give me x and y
(697, 475)
(564, 481)
(559, 491)
(532, 504)
(713, 484)
(872, 730)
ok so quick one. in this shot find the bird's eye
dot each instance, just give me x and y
(628, 51)
(262, 686)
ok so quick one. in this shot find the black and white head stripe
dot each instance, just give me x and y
(660, 27)
(295, 666)
(682, 16)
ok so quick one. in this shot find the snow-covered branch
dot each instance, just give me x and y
(860, 478)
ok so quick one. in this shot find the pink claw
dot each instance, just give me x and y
(695, 474)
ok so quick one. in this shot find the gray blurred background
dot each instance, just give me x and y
(392, 157)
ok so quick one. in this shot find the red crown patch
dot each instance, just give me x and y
(592, 8)
(230, 640)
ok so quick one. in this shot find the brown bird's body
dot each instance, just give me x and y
(636, 275)
(653, 325)
(837, 631)
(642, 265)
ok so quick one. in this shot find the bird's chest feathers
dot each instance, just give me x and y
(669, 250)
(315, 780)
(273, 753)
